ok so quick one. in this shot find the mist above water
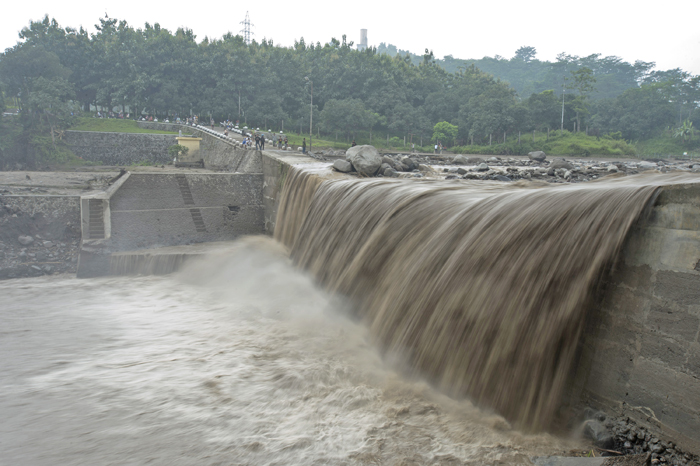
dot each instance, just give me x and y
(239, 359)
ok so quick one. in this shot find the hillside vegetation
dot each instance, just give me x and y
(55, 72)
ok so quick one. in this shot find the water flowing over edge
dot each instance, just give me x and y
(484, 289)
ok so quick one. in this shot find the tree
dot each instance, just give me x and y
(583, 84)
(490, 111)
(51, 98)
(22, 65)
(444, 133)
(638, 113)
(178, 150)
(526, 54)
(347, 116)
(544, 110)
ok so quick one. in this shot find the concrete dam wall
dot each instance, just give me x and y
(150, 210)
(639, 350)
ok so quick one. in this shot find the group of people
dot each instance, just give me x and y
(282, 143)
(259, 138)
(111, 114)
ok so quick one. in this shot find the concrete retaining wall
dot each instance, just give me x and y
(120, 148)
(216, 153)
(641, 353)
(150, 210)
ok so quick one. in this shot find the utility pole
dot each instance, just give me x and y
(311, 115)
(563, 95)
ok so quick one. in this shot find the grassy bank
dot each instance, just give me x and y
(109, 125)
(668, 146)
(567, 144)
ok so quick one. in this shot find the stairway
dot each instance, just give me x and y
(189, 200)
(96, 222)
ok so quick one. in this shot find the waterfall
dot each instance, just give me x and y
(479, 287)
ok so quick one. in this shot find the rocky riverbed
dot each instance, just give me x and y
(537, 166)
(617, 436)
(38, 235)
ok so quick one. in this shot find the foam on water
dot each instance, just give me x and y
(239, 359)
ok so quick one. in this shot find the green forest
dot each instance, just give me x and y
(576, 105)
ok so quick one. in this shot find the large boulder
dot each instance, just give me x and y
(459, 160)
(390, 173)
(389, 161)
(365, 159)
(561, 164)
(409, 163)
(342, 166)
(537, 156)
(647, 166)
(598, 433)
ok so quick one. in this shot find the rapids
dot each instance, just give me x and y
(239, 359)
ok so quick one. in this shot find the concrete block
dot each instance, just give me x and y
(683, 288)
(692, 364)
(657, 347)
(669, 397)
(674, 323)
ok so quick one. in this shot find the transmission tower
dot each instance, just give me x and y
(246, 28)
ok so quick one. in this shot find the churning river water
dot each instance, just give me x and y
(239, 360)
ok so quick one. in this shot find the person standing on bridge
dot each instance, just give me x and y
(262, 141)
(303, 146)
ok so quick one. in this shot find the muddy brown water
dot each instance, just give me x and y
(482, 287)
(237, 360)
(243, 359)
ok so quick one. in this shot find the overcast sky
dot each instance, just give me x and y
(667, 33)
